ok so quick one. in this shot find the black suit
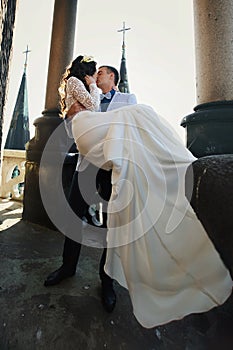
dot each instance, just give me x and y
(71, 250)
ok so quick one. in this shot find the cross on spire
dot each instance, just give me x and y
(123, 84)
(26, 57)
(123, 30)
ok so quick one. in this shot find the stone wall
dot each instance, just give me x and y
(212, 200)
(7, 21)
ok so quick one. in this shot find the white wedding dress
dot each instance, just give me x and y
(157, 247)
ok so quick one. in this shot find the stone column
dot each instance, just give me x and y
(61, 54)
(210, 128)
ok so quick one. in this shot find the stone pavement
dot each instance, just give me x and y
(70, 315)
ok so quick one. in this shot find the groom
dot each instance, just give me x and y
(107, 80)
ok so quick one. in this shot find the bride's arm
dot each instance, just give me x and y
(90, 100)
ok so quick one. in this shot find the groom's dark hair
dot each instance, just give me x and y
(113, 70)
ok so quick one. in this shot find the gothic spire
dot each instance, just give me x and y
(18, 134)
(123, 85)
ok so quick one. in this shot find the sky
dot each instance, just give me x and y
(159, 52)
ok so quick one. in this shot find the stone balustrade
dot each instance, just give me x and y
(12, 174)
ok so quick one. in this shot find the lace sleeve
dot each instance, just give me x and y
(76, 88)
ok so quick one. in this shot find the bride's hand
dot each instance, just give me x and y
(90, 79)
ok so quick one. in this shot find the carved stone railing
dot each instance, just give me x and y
(12, 174)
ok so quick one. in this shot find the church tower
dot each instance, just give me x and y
(18, 134)
(123, 85)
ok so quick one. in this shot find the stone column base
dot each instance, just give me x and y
(210, 129)
(34, 210)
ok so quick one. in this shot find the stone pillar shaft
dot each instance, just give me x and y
(213, 21)
(61, 50)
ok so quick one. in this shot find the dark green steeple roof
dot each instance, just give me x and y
(18, 134)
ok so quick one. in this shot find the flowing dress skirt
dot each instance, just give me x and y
(157, 247)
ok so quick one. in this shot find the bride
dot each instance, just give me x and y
(157, 247)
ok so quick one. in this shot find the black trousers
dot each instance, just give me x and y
(83, 188)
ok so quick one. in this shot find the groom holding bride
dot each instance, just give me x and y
(156, 246)
(107, 81)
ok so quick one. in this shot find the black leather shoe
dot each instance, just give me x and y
(108, 297)
(57, 276)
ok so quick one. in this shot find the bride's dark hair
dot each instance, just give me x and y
(79, 68)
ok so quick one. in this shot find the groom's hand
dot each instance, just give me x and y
(74, 109)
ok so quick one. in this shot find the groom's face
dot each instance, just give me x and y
(105, 80)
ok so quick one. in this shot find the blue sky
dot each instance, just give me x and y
(159, 51)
